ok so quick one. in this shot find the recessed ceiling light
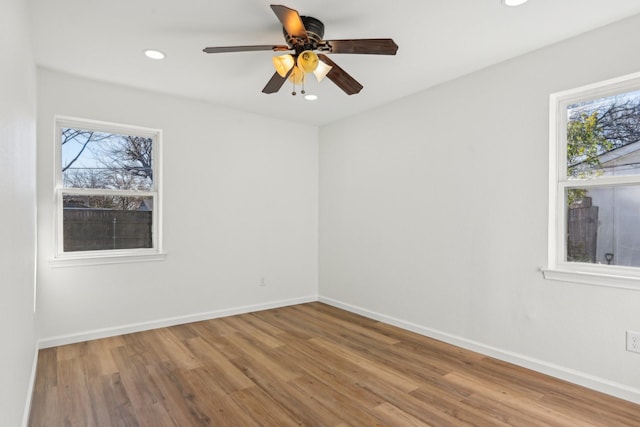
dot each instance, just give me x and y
(154, 54)
(311, 97)
(513, 2)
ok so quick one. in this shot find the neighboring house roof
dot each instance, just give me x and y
(146, 205)
(625, 157)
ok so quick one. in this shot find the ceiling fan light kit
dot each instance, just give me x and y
(304, 36)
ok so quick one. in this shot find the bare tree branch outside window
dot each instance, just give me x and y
(93, 159)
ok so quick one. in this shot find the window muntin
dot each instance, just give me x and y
(107, 186)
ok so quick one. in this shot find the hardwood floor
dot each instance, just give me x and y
(311, 365)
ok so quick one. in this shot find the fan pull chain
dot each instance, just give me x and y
(302, 85)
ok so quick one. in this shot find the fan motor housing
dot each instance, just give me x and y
(315, 31)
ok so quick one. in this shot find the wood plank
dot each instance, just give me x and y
(110, 402)
(331, 371)
(71, 351)
(47, 370)
(257, 322)
(344, 326)
(174, 349)
(244, 326)
(516, 403)
(75, 405)
(144, 395)
(392, 376)
(208, 404)
(329, 405)
(178, 395)
(263, 409)
(393, 415)
(456, 405)
(227, 375)
(251, 348)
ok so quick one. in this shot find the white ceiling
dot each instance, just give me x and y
(438, 40)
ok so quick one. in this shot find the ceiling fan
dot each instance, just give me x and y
(303, 35)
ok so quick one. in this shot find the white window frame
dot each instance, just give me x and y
(62, 258)
(558, 268)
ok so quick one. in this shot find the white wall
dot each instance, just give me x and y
(240, 203)
(17, 212)
(433, 215)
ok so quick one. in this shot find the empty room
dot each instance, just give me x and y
(320, 213)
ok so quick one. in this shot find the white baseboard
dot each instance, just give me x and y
(32, 382)
(172, 321)
(586, 380)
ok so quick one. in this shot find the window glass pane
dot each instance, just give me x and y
(107, 222)
(92, 159)
(603, 225)
(603, 136)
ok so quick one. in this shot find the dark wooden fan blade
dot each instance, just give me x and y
(340, 77)
(224, 49)
(291, 21)
(275, 83)
(363, 46)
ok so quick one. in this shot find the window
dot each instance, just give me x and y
(107, 191)
(594, 216)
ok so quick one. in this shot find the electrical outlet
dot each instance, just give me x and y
(262, 282)
(633, 341)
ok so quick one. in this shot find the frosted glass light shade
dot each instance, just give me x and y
(283, 64)
(308, 61)
(296, 76)
(321, 71)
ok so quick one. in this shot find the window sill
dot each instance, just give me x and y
(592, 278)
(79, 261)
